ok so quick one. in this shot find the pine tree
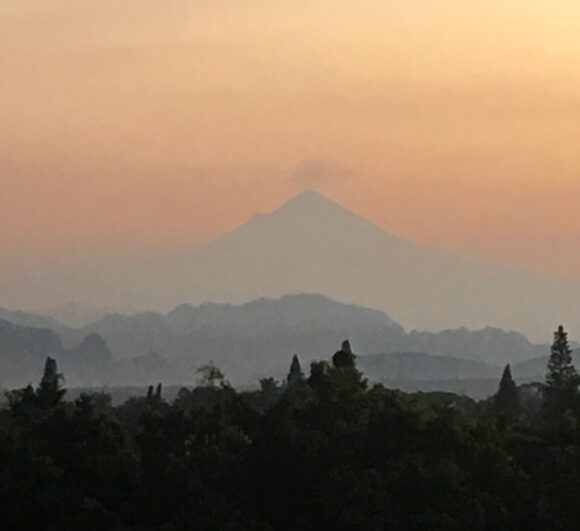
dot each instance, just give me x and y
(562, 378)
(295, 376)
(507, 400)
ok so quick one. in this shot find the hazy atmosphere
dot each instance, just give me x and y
(138, 126)
(273, 265)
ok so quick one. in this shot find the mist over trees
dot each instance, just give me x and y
(327, 450)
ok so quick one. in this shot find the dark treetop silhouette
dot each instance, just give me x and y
(326, 452)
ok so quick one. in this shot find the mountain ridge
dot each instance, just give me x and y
(258, 339)
(312, 244)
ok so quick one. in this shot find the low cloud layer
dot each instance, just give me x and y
(314, 173)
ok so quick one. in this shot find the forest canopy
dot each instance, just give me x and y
(323, 449)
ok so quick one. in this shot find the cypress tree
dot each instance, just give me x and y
(562, 379)
(295, 376)
(158, 391)
(507, 400)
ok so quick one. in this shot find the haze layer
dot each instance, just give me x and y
(139, 125)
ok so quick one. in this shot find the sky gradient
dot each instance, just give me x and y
(130, 126)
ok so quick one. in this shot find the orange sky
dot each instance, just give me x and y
(131, 125)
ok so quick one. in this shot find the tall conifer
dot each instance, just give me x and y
(562, 378)
(507, 400)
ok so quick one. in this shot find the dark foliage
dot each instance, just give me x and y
(329, 453)
(295, 376)
(507, 401)
(344, 358)
(562, 379)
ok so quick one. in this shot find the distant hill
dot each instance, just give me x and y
(31, 319)
(23, 350)
(536, 368)
(312, 244)
(258, 339)
(77, 315)
(248, 341)
(416, 366)
(489, 345)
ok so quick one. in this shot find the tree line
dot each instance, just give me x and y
(323, 450)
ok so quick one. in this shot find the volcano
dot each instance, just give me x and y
(312, 244)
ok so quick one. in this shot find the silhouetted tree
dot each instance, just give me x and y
(269, 385)
(211, 376)
(507, 400)
(562, 379)
(158, 392)
(318, 373)
(270, 390)
(50, 392)
(295, 376)
(344, 358)
(332, 454)
(154, 398)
